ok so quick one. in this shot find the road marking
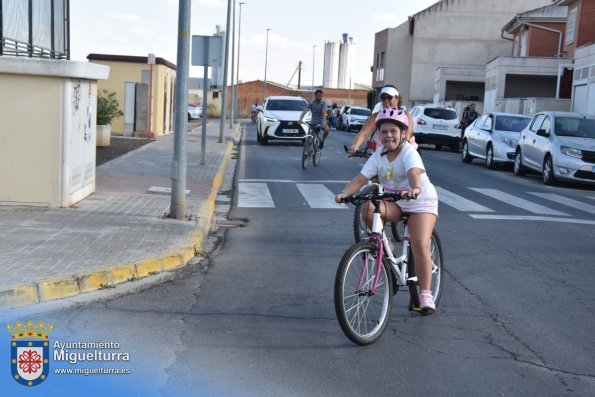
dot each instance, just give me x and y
(566, 201)
(518, 202)
(460, 203)
(290, 181)
(319, 196)
(254, 195)
(531, 218)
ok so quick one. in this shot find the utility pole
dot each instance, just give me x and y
(233, 61)
(299, 75)
(225, 67)
(266, 53)
(178, 168)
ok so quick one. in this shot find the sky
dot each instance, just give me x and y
(140, 27)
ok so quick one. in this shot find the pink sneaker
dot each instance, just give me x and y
(426, 303)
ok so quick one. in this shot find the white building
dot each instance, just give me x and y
(339, 63)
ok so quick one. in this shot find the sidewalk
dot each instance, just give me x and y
(119, 233)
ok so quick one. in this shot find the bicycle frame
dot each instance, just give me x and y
(379, 237)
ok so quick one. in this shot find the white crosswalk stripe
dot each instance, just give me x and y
(518, 202)
(460, 203)
(319, 196)
(256, 194)
(566, 201)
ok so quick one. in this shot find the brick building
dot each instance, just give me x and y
(252, 92)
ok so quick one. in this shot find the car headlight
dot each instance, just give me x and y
(571, 152)
(269, 119)
(510, 142)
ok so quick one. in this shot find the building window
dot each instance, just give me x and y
(380, 68)
(215, 94)
(570, 26)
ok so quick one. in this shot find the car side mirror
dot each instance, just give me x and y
(259, 108)
(542, 132)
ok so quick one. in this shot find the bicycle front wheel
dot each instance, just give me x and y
(306, 152)
(363, 314)
(317, 152)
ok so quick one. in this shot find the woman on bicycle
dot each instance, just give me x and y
(399, 167)
(389, 98)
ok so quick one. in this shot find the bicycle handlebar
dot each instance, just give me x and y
(358, 153)
(371, 196)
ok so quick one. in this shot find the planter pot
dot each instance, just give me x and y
(104, 133)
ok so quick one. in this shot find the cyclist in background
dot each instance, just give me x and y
(319, 109)
(389, 98)
(399, 167)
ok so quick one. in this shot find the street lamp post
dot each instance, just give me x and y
(266, 53)
(313, 57)
(238, 70)
(233, 60)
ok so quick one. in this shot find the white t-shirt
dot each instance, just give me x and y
(393, 176)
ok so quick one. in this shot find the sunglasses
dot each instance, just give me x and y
(385, 97)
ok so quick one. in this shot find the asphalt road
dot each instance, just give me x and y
(254, 316)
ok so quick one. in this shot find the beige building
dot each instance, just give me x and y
(440, 53)
(131, 77)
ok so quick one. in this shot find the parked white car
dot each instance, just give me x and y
(493, 136)
(560, 146)
(279, 119)
(354, 118)
(437, 125)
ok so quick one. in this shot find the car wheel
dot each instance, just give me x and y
(257, 135)
(189, 117)
(519, 169)
(465, 156)
(264, 139)
(548, 171)
(490, 158)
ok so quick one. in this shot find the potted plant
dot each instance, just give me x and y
(107, 110)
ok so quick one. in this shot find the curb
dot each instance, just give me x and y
(109, 277)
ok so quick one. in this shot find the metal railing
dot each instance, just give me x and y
(35, 28)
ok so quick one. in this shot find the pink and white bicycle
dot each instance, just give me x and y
(369, 275)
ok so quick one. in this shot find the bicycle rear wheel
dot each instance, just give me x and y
(363, 315)
(437, 270)
(317, 152)
(306, 152)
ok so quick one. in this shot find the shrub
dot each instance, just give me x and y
(107, 107)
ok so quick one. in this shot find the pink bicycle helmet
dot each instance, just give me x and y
(396, 116)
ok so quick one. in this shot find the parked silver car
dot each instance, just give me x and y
(560, 146)
(493, 136)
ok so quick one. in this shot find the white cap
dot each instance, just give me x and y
(390, 91)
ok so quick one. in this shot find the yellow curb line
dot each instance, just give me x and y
(67, 286)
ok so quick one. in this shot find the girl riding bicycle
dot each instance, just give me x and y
(399, 167)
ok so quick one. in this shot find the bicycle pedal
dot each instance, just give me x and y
(415, 309)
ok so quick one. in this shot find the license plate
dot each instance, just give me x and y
(290, 131)
(439, 127)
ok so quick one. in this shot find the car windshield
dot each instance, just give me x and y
(286, 104)
(572, 126)
(441, 114)
(511, 123)
(360, 112)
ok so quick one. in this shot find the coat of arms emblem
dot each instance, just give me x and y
(29, 352)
